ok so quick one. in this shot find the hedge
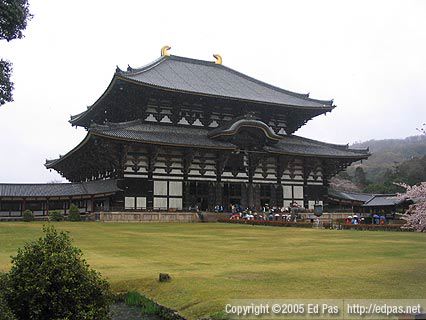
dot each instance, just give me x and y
(326, 225)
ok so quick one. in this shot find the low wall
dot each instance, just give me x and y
(148, 216)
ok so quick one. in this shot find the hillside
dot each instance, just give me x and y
(386, 154)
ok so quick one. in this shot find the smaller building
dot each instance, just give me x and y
(42, 198)
(388, 204)
(346, 201)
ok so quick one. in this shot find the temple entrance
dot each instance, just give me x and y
(199, 194)
(265, 195)
(232, 193)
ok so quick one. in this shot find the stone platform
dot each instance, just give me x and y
(160, 216)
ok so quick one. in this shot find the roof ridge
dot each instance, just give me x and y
(134, 71)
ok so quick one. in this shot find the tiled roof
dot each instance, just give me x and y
(198, 137)
(208, 78)
(351, 196)
(383, 200)
(58, 189)
(159, 133)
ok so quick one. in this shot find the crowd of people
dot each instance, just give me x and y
(288, 214)
(376, 219)
(266, 213)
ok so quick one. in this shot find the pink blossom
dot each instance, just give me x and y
(415, 215)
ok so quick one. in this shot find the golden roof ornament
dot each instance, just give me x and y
(165, 51)
(218, 58)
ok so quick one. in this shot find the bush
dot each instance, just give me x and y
(50, 280)
(28, 215)
(148, 307)
(133, 298)
(5, 312)
(56, 215)
(74, 213)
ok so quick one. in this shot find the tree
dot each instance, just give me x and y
(412, 171)
(50, 280)
(415, 216)
(74, 213)
(14, 15)
(360, 177)
(28, 215)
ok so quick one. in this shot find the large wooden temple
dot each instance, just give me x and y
(180, 133)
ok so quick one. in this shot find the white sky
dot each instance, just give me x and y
(369, 56)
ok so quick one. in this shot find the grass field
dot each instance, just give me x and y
(212, 263)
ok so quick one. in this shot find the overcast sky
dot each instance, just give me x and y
(370, 57)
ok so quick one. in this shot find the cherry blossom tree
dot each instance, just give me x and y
(415, 215)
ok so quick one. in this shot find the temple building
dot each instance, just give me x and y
(181, 133)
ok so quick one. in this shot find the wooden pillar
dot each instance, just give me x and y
(252, 162)
(152, 158)
(244, 195)
(218, 192)
(150, 191)
(188, 157)
(23, 205)
(67, 204)
(307, 168)
(256, 196)
(273, 195)
(186, 194)
(211, 198)
(279, 195)
(221, 160)
(92, 199)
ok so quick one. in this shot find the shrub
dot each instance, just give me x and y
(56, 215)
(133, 298)
(74, 213)
(28, 215)
(148, 307)
(50, 280)
(5, 312)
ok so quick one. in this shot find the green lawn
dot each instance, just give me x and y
(212, 263)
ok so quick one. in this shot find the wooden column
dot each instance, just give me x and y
(273, 195)
(92, 198)
(152, 158)
(47, 207)
(253, 160)
(221, 160)
(279, 194)
(281, 164)
(244, 194)
(188, 157)
(186, 195)
(23, 205)
(211, 199)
